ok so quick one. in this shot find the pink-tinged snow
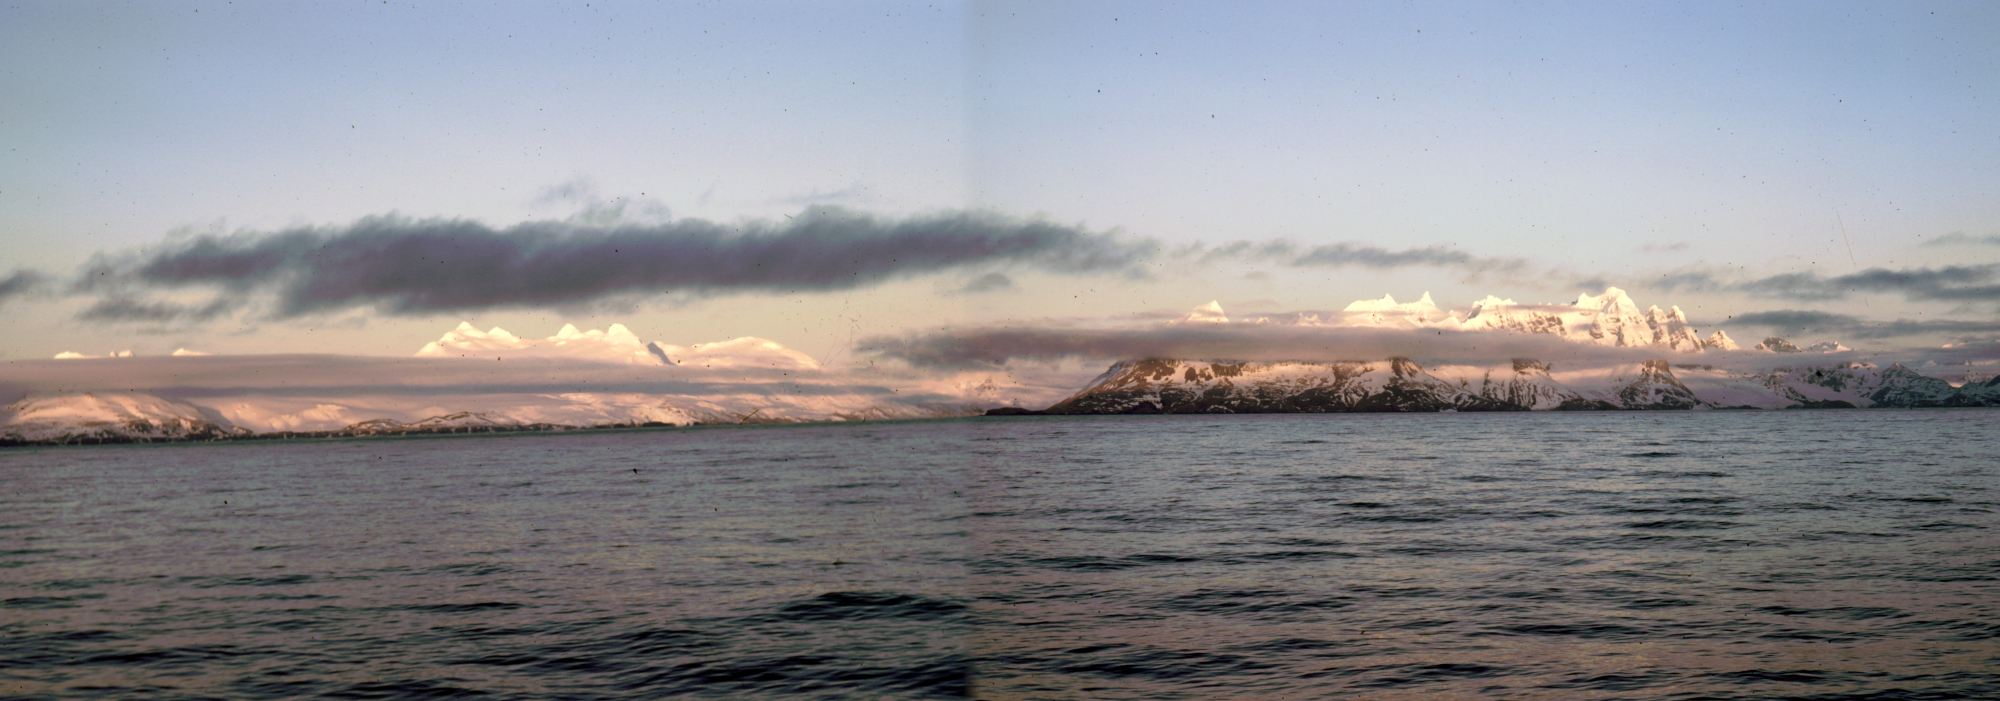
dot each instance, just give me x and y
(616, 344)
(128, 415)
(1723, 389)
(1610, 318)
(1210, 313)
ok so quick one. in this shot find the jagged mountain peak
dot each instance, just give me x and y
(1775, 344)
(1210, 313)
(1387, 303)
(1721, 341)
(1491, 302)
(1611, 299)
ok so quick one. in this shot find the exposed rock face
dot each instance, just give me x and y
(1528, 387)
(1861, 384)
(1396, 385)
(1652, 385)
(1779, 345)
(1977, 394)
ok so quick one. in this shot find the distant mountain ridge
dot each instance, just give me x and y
(1610, 318)
(1157, 386)
(1677, 379)
(97, 418)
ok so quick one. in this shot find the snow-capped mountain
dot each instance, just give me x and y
(616, 344)
(93, 417)
(1979, 393)
(1861, 385)
(1610, 319)
(1386, 313)
(134, 417)
(617, 380)
(73, 355)
(1210, 313)
(1187, 386)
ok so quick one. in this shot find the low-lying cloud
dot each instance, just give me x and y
(1361, 255)
(992, 347)
(997, 346)
(404, 266)
(1794, 321)
(989, 282)
(21, 283)
(1952, 283)
(1960, 238)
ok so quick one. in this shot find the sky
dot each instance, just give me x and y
(358, 177)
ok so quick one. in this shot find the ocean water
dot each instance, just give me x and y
(1745, 555)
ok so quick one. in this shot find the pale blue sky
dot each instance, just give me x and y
(1575, 134)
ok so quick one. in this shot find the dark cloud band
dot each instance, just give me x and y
(1849, 326)
(1360, 255)
(406, 266)
(21, 283)
(123, 308)
(1955, 283)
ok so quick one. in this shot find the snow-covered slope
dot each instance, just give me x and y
(131, 417)
(1861, 385)
(1610, 318)
(1188, 386)
(616, 344)
(1387, 313)
(1210, 313)
(93, 417)
(1179, 386)
(1979, 393)
(1607, 319)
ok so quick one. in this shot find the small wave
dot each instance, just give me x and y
(1615, 681)
(473, 607)
(868, 605)
(282, 580)
(1408, 675)
(1596, 631)
(1092, 563)
(1161, 664)
(1658, 602)
(47, 602)
(1946, 526)
(406, 689)
(1766, 676)
(1681, 525)
(1852, 613)
(1249, 601)
(1681, 474)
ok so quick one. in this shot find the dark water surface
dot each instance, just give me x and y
(1822, 555)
